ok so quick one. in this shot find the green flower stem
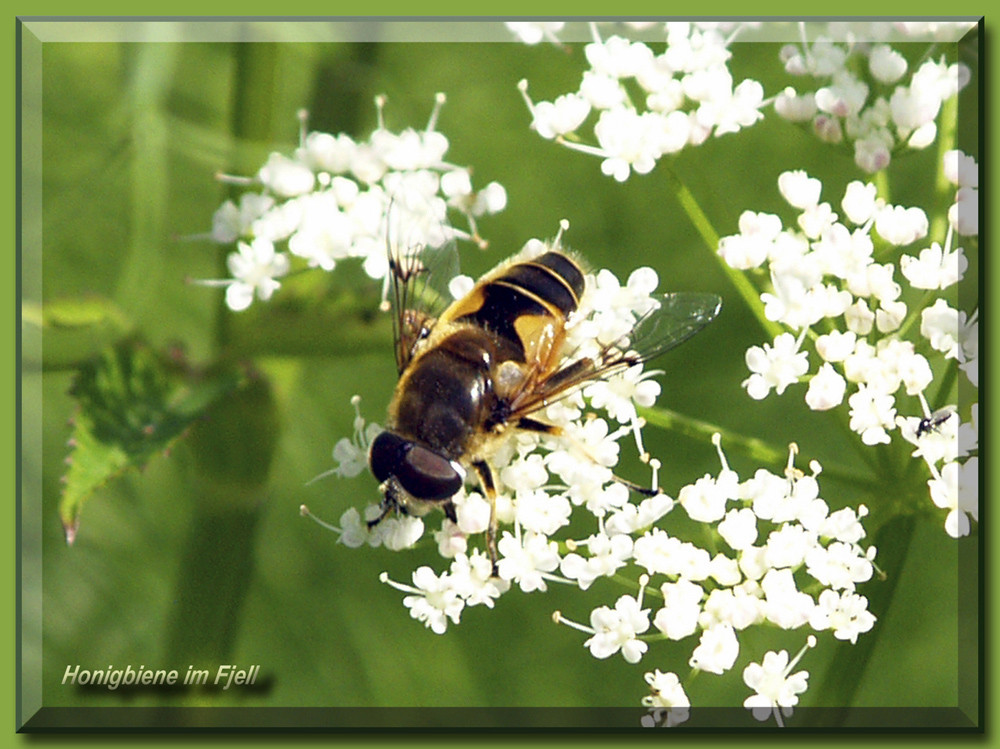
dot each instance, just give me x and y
(148, 86)
(708, 234)
(945, 191)
(947, 382)
(232, 449)
(689, 426)
(914, 313)
(761, 451)
(251, 120)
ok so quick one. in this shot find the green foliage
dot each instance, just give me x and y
(132, 404)
(204, 557)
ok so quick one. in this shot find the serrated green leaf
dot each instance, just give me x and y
(132, 404)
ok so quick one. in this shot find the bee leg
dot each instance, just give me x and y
(390, 502)
(530, 425)
(645, 491)
(449, 511)
(386, 508)
(540, 427)
(489, 489)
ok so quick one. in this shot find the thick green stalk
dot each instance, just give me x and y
(148, 87)
(710, 237)
(231, 450)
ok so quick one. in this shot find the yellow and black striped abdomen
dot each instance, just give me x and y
(525, 304)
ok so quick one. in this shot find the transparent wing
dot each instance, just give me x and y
(421, 265)
(678, 317)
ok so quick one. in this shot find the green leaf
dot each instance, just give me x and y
(75, 328)
(132, 404)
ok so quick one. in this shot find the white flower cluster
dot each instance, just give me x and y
(783, 541)
(336, 197)
(784, 559)
(828, 287)
(867, 96)
(776, 690)
(687, 94)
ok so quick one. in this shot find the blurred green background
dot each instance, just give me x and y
(169, 569)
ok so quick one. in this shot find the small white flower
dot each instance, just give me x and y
(799, 189)
(901, 226)
(944, 489)
(666, 692)
(354, 532)
(886, 64)
(784, 604)
(795, 107)
(839, 566)
(525, 561)
(776, 366)
(229, 223)
(542, 512)
(740, 607)
(859, 318)
(286, 177)
(398, 532)
(678, 617)
(963, 216)
(846, 613)
(939, 324)
(433, 600)
(559, 117)
(961, 169)
(617, 629)
(739, 528)
(717, 649)
(608, 554)
(845, 97)
(255, 268)
(934, 269)
(776, 688)
(472, 511)
(532, 32)
(872, 414)
(826, 389)
(629, 140)
(471, 577)
(705, 500)
(787, 546)
(859, 203)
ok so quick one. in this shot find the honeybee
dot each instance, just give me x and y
(474, 371)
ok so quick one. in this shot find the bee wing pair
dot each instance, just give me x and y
(419, 295)
(677, 317)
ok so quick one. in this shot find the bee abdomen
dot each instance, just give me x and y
(548, 286)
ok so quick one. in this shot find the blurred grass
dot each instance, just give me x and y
(133, 135)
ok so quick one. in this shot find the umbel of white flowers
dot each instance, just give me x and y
(868, 97)
(827, 287)
(779, 536)
(335, 198)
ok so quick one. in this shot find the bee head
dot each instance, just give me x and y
(419, 471)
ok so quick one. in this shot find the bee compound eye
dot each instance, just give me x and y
(427, 475)
(387, 452)
(421, 472)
